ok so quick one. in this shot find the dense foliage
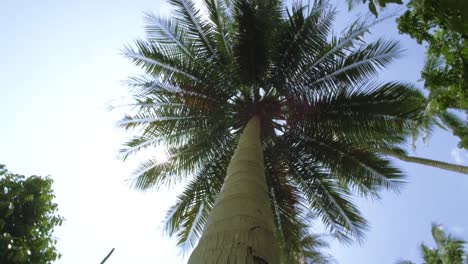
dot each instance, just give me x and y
(449, 250)
(28, 217)
(443, 26)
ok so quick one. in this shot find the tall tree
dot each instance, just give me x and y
(268, 116)
(449, 249)
(28, 217)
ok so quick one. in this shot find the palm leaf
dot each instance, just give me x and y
(198, 30)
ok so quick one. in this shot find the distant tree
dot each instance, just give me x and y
(449, 249)
(27, 219)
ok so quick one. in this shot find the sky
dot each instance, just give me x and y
(62, 67)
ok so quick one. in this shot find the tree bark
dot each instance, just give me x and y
(240, 227)
(427, 162)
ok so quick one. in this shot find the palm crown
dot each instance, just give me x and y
(208, 71)
(449, 249)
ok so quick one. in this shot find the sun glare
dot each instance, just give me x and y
(160, 154)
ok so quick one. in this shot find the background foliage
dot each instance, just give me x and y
(449, 250)
(442, 25)
(27, 219)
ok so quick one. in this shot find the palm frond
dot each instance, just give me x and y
(458, 127)
(198, 30)
(149, 57)
(301, 36)
(325, 195)
(288, 209)
(357, 165)
(256, 21)
(373, 113)
(145, 119)
(354, 35)
(147, 87)
(430, 255)
(360, 65)
(187, 217)
(137, 144)
(313, 246)
(333, 205)
(221, 17)
(149, 174)
(165, 31)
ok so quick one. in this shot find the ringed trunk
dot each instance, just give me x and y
(240, 227)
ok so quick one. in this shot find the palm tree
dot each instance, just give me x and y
(449, 249)
(267, 116)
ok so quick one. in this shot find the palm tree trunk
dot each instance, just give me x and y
(427, 162)
(240, 227)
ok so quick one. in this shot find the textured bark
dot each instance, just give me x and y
(427, 162)
(240, 227)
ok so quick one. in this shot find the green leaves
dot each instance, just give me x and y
(322, 116)
(165, 31)
(372, 8)
(198, 30)
(27, 219)
(256, 21)
(442, 25)
(440, 81)
(449, 249)
(187, 217)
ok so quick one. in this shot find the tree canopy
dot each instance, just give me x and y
(449, 250)
(443, 26)
(28, 217)
(323, 115)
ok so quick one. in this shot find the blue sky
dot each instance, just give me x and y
(61, 67)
